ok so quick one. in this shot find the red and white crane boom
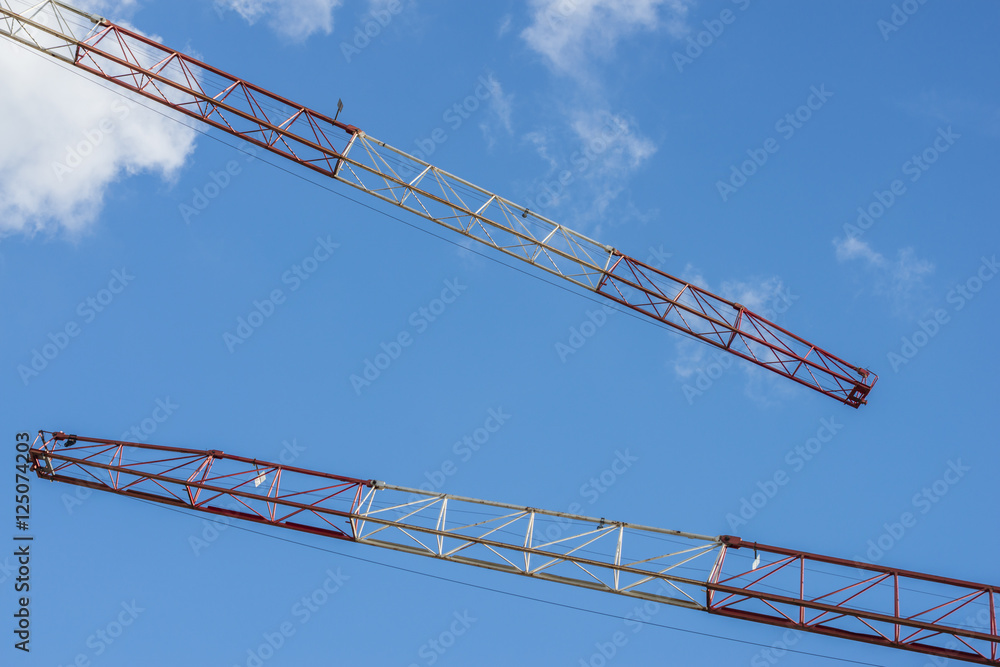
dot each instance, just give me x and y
(831, 596)
(348, 154)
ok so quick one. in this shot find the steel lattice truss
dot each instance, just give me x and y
(854, 600)
(819, 594)
(346, 153)
(649, 563)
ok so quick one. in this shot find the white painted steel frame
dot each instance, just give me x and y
(666, 566)
(645, 562)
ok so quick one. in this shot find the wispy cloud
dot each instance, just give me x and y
(591, 148)
(590, 160)
(541, 142)
(505, 24)
(613, 150)
(295, 19)
(900, 279)
(501, 106)
(569, 33)
(854, 248)
(964, 111)
(613, 136)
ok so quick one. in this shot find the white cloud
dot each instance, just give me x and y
(692, 275)
(760, 296)
(107, 8)
(853, 248)
(540, 141)
(601, 151)
(900, 279)
(967, 112)
(675, 21)
(500, 107)
(612, 139)
(74, 139)
(294, 19)
(909, 268)
(690, 357)
(505, 24)
(599, 148)
(567, 33)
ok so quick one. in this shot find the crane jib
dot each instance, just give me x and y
(346, 153)
(860, 601)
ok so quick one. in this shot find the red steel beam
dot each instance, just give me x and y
(946, 617)
(730, 326)
(328, 500)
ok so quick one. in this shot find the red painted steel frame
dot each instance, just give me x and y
(327, 501)
(318, 142)
(897, 616)
(730, 326)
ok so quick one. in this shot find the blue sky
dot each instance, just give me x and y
(832, 166)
